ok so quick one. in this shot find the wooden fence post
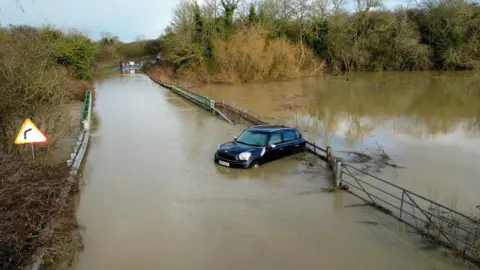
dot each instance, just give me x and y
(338, 173)
(212, 104)
(329, 157)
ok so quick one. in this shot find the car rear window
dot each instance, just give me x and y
(288, 136)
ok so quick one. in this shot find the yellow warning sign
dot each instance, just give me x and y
(29, 133)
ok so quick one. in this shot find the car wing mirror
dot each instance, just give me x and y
(273, 146)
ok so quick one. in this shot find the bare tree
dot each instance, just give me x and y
(364, 6)
(211, 8)
(108, 38)
(338, 6)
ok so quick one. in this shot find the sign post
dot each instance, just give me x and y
(29, 133)
(33, 152)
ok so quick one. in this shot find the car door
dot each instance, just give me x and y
(289, 142)
(273, 149)
(283, 146)
(299, 143)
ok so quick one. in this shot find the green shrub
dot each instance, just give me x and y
(440, 34)
(36, 79)
(77, 52)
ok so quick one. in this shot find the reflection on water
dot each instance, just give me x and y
(429, 122)
(304, 164)
(415, 105)
(154, 199)
(419, 104)
(130, 71)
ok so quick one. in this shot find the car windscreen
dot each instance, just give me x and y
(253, 138)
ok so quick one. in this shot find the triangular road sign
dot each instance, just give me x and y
(29, 133)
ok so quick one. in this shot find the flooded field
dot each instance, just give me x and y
(428, 123)
(154, 199)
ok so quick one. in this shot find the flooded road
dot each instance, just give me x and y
(427, 122)
(154, 199)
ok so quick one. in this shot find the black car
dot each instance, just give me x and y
(258, 145)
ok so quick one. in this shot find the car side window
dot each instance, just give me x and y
(288, 136)
(276, 138)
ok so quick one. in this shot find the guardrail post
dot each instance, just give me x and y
(212, 104)
(84, 122)
(89, 112)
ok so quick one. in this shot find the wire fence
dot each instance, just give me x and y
(244, 115)
(189, 95)
(440, 224)
(192, 96)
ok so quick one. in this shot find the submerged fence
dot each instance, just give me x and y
(440, 224)
(243, 115)
(199, 100)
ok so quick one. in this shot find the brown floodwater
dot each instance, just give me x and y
(154, 199)
(427, 122)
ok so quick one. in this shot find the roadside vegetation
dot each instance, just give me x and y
(41, 70)
(111, 51)
(244, 40)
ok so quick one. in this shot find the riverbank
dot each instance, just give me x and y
(191, 79)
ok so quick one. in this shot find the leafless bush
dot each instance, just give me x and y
(30, 199)
(66, 242)
(249, 56)
(34, 85)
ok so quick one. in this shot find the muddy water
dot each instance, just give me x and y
(155, 200)
(427, 122)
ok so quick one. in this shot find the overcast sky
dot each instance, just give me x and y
(124, 18)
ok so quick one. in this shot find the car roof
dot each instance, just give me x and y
(269, 128)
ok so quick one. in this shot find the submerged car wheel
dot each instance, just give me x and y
(255, 165)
